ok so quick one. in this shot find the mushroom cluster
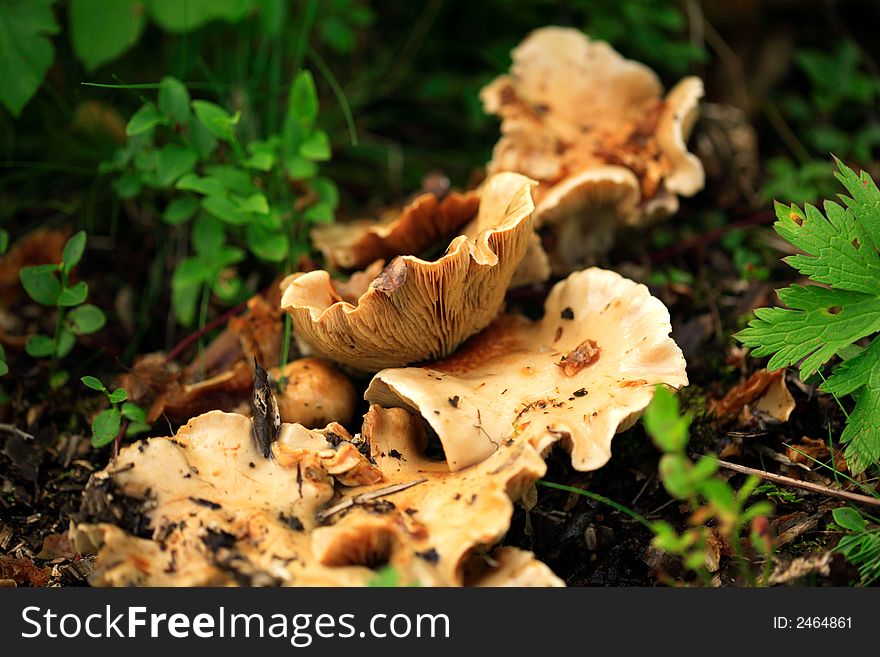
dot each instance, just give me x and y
(465, 400)
(606, 147)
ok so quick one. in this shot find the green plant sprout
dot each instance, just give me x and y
(107, 424)
(861, 545)
(49, 285)
(226, 190)
(710, 498)
(840, 252)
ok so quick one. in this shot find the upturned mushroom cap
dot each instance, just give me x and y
(572, 105)
(205, 508)
(422, 223)
(417, 309)
(578, 376)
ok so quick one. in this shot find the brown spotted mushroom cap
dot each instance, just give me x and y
(578, 376)
(417, 309)
(571, 105)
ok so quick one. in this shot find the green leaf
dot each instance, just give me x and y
(128, 186)
(303, 100)
(183, 302)
(674, 470)
(180, 210)
(184, 16)
(319, 213)
(208, 235)
(74, 295)
(4, 241)
(327, 191)
(316, 146)
(105, 427)
(58, 378)
(118, 395)
(133, 412)
(299, 168)
(136, 428)
(101, 31)
(93, 382)
(86, 319)
(173, 162)
(4, 368)
(174, 100)
(225, 210)
(233, 178)
(73, 250)
(201, 138)
(206, 186)
(255, 203)
(66, 341)
(261, 161)
(216, 119)
(41, 283)
(144, 120)
(27, 51)
(663, 422)
(267, 245)
(191, 272)
(40, 346)
(850, 519)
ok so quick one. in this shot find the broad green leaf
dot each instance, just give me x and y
(133, 412)
(4, 368)
(185, 15)
(105, 427)
(86, 319)
(208, 235)
(216, 119)
(144, 120)
(850, 519)
(316, 146)
(174, 100)
(183, 302)
(299, 168)
(101, 31)
(255, 203)
(73, 250)
(225, 210)
(25, 49)
(66, 341)
(40, 346)
(128, 186)
(201, 185)
(663, 422)
(201, 138)
(228, 289)
(180, 210)
(4, 241)
(674, 470)
(74, 295)
(326, 190)
(191, 272)
(319, 213)
(93, 382)
(267, 245)
(173, 162)
(261, 161)
(118, 395)
(41, 283)
(233, 178)
(303, 100)
(58, 378)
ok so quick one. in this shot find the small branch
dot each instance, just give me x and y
(366, 497)
(803, 485)
(210, 326)
(11, 428)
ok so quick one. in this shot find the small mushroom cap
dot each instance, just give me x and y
(417, 309)
(422, 223)
(315, 393)
(571, 105)
(205, 508)
(578, 376)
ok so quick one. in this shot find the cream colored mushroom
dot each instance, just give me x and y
(205, 508)
(578, 376)
(315, 393)
(422, 223)
(417, 309)
(571, 107)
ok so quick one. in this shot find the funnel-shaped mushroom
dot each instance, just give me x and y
(417, 309)
(205, 508)
(582, 120)
(579, 375)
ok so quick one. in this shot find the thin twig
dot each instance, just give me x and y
(366, 497)
(803, 485)
(11, 428)
(214, 323)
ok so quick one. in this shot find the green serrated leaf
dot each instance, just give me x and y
(93, 382)
(74, 295)
(73, 250)
(41, 283)
(86, 319)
